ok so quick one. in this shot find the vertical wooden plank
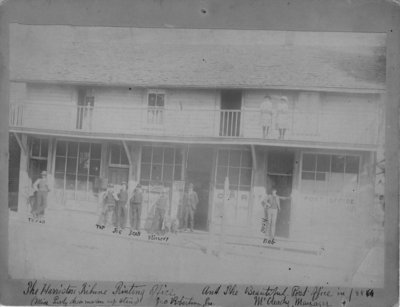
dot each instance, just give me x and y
(4, 107)
(392, 160)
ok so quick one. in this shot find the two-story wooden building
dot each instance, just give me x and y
(172, 106)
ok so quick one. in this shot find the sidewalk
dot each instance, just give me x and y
(72, 248)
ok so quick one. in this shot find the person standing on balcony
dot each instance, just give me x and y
(266, 115)
(41, 188)
(120, 206)
(135, 204)
(161, 207)
(190, 202)
(282, 117)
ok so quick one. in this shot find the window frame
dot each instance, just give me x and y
(121, 149)
(40, 157)
(315, 171)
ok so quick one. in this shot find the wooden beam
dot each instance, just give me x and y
(254, 156)
(128, 154)
(21, 145)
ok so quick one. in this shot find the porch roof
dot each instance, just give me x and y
(146, 57)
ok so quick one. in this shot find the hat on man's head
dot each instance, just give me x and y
(191, 185)
(124, 183)
(43, 173)
(110, 185)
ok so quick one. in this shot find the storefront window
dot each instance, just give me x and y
(236, 164)
(329, 174)
(77, 164)
(160, 165)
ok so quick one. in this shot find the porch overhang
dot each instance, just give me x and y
(195, 140)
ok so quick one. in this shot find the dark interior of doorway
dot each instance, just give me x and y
(13, 172)
(198, 172)
(280, 176)
(231, 104)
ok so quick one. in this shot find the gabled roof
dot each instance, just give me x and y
(197, 58)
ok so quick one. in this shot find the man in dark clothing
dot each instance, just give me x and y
(109, 199)
(41, 188)
(160, 208)
(190, 204)
(120, 207)
(136, 207)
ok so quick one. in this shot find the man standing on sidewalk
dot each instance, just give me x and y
(135, 204)
(120, 207)
(41, 188)
(190, 204)
(160, 208)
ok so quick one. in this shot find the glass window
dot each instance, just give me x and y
(309, 161)
(79, 169)
(238, 169)
(39, 148)
(118, 155)
(333, 173)
(160, 165)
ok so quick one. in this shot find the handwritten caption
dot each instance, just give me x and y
(161, 294)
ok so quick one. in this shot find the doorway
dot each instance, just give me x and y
(279, 176)
(198, 172)
(231, 105)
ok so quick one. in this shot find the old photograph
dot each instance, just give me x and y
(196, 155)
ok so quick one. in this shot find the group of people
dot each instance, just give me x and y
(280, 116)
(114, 207)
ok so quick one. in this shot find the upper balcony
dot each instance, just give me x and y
(351, 129)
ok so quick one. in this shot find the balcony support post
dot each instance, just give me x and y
(128, 154)
(23, 148)
(253, 157)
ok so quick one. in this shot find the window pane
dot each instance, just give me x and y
(35, 147)
(352, 164)
(177, 173)
(44, 148)
(114, 152)
(72, 149)
(82, 183)
(307, 175)
(84, 147)
(91, 183)
(169, 155)
(60, 164)
(157, 155)
(234, 158)
(71, 165)
(245, 176)
(145, 172)
(246, 159)
(167, 173)
(95, 151)
(156, 172)
(234, 176)
(83, 164)
(146, 154)
(152, 100)
(309, 162)
(323, 163)
(94, 167)
(223, 157)
(61, 148)
(337, 164)
(320, 176)
(160, 100)
(70, 182)
(124, 158)
(178, 156)
(59, 180)
(222, 171)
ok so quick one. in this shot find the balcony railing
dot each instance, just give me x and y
(344, 127)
